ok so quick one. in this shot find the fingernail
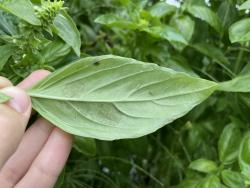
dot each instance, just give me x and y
(20, 100)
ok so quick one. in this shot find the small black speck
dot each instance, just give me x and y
(97, 63)
(151, 93)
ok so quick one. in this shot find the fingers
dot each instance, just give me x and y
(14, 117)
(4, 82)
(49, 163)
(41, 154)
(33, 78)
(30, 146)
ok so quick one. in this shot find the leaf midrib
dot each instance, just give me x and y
(35, 95)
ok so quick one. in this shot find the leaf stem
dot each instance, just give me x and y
(238, 61)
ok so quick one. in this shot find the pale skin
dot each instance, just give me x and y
(31, 158)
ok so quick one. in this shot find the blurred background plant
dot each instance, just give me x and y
(209, 147)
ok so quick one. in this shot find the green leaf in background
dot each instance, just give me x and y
(211, 51)
(185, 25)
(7, 23)
(4, 98)
(110, 97)
(244, 159)
(179, 65)
(240, 31)
(5, 53)
(162, 9)
(67, 30)
(23, 9)
(86, 146)
(245, 5)
(113, 20)
(211, 181)
(227, 13)
(168, 33)
(203, 165)
(232, 179)
(207, 15)
(228, 145)
(188, 184)
(54, 51)
(238, 84)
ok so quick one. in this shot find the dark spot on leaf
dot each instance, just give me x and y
(97, 63)
(151, 93)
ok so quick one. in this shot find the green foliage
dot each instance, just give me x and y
(207, 43)
(203, 165)
(229, 142)
(232, 179)
(33, 28)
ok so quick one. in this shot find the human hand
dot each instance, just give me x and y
(33, 158)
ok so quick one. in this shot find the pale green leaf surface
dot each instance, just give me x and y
(238, 84)
(207, 15)
(240, 31)
(110, 97)
(4, 98)
(23, 9)
(203, 165)
(67, 30)
(245, 5)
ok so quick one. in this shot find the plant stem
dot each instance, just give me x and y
(238, 61)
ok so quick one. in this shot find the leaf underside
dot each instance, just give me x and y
(110, 97)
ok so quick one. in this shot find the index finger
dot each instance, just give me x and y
(33, 78)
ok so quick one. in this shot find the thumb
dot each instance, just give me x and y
(14, 116)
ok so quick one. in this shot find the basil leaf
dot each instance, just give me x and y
(185, 25)
(232, 179)
(245, 5)
(210, 182)
(4, 98)
(113, 20)
(238, 84)
(211, 51)
(5, 53)
(203, 165)
(7, 23)
(110, 97)
(239, 31)
(167, 32)
(66, 29)
(162, 9)
(23, 9)
(207, 15)
(229, 144)
(188, 183)
(54, 52)
(244, 160)
(86, 146)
